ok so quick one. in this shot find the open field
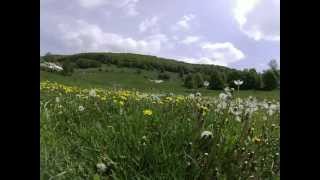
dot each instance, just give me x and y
(128, 78)
(111, 133)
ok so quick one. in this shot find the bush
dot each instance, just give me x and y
(68, 68)
(164, 76)
(198, 79)
(87, 63)
(189, 82)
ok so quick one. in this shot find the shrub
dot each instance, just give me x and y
(68, 68)
(198, 79)
(164, 76)
(189, 82)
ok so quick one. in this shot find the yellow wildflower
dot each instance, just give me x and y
(147, 112)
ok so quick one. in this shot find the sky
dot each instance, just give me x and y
(234, 33)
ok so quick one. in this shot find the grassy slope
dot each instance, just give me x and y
(129, 79)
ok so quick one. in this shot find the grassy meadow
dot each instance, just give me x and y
(116, 124)
(128, 78)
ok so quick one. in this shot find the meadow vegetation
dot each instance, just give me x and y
(119, 134)
(127, 116)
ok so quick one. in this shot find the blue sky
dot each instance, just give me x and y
(234, 33)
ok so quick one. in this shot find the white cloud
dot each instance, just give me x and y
(259, 19)
(93, 3)
(89, 37)
(221, 54)
(175, 37)
(149, 24)
(190, 40)
(184, 22)
(129, 6)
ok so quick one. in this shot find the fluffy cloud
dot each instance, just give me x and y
(184, 22)
(149, 24)
(259, 19)
(89, 37)
(190, 40)
(129, 6)
(221, 54)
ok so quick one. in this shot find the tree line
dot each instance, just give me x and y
(193, 75)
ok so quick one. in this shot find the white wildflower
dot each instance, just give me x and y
(101, 167)
(92, 93)
(206, 83)
(223, 96)
(238, 118)
(227, 89)
(238, 82)
(206, 134)
(81, 108)
(57, 99)
(235, 111)
(144, 138)
(191, 96)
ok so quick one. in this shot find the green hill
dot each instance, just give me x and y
(134, 71)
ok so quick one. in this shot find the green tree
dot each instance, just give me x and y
(189, 82)
(47, 57)
(216, 81)
(269, 80)
(250, 78)
(274, 67)
(198, 80)
(87, 63)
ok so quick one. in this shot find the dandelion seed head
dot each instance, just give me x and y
(206, 134)
(206, 83)
(101, 167)
(81, 108)
(92, 93)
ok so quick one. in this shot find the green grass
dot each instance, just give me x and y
(128, 78)
(73, 141)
